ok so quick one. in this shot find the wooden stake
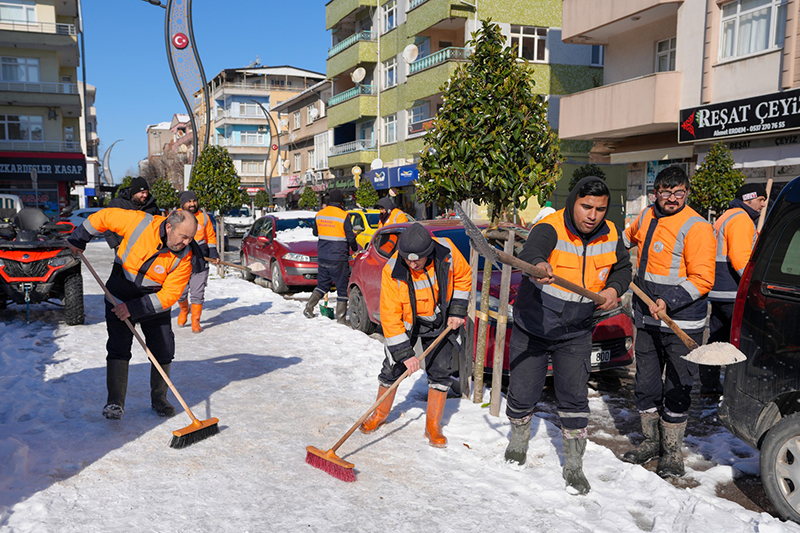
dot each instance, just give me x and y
(500, 330)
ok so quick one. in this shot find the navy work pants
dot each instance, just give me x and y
(437, 364)
(333, 273)
(157, 331)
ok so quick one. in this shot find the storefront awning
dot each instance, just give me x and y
(764, 156)
(284, 192)
(660, 154)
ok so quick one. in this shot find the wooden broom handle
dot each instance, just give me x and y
(687, 340)
(221, 262)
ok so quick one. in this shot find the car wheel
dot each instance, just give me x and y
(278, 285)
(73, 299)
(780, 467)
(246, 274)
(359, 315)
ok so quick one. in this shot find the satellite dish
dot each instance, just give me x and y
(292, 137)
(376, 163)
(284, 123)
(314, 113)
(410, 53)
(286, 164)
(358, 75)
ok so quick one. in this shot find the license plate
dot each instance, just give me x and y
(601, 356)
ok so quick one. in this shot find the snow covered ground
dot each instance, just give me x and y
(278, 383)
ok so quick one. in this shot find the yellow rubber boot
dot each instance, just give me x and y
(197, 310)
(381, 413)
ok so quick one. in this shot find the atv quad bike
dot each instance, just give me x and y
(36, 265)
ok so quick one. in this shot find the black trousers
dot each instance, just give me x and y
(719, 331)
(529, 357)
(437, 363)
(157, 332)
(333, 273)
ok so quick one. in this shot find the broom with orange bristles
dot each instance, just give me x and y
(328, 461)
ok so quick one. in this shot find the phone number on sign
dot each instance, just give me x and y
(767, 126)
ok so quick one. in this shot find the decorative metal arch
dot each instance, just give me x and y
(107, 177)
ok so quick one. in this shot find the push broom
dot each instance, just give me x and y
(328, 461)
(198, 429)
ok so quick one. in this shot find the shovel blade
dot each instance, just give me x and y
(477, 239)
(716, 354)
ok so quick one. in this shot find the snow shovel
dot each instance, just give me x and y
(240, 267)
(714, 354)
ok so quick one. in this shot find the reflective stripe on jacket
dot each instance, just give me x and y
(335, 233)
(676, 263)
(434, 294)
(396, 216)
(736, 237)
(205, 236)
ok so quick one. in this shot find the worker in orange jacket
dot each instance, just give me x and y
(206, 239)
(424, 288)
(676, 270)
(151, 269)
(390, 214)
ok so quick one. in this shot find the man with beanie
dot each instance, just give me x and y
(335, 241)
(424, 288)
(206, 240)
(552, 323)
(389, 213)
(135, 197)
(735, 230)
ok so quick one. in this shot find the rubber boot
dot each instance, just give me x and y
(670, 464)
(433, 418)
(517, 449)
(184, 314)
(158, 392)
(341, 312)
(117, 384)
(197, 311)
(378, 417)
(651, 447)
(308, 312)
(573, 463)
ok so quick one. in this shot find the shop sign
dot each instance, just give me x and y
(48, 167)
(770, 113)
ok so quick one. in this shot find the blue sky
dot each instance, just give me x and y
(126, 59)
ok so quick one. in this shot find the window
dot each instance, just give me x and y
(253, 167)
(19, 69)
(21, 128)
(297, 159)
(365, 130)
(321, 150)
(389, 15)
(311, 111)
(530, 42)
(390, 73)
(17, 11)
(390, 129)
(597, 56)
(69, 134)
(312, 163)
(296, 119)
(750, 26)
(665, 55)
(250, 138)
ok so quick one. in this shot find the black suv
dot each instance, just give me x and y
(761, 401)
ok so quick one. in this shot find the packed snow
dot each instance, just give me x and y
(279, 382)
(715, 354)
(295, 235)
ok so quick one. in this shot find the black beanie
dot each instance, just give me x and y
(415, 242)
(386, 203)
(186, 196)
(138, 185)
(750, 191)
(336, 196)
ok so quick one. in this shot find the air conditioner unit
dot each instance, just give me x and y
(262, 129)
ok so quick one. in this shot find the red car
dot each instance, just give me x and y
(612, 339)
(282, 248)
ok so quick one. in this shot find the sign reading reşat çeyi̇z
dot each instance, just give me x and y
(767, 113)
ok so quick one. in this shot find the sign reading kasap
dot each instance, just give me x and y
(767, 113)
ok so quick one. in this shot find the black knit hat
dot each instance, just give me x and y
(386, 203)
(336, 196)
(187, 196)
(415, 242)
(751, 191)
(138, 185)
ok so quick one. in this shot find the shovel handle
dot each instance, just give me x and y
(221, 262)
(687, 340)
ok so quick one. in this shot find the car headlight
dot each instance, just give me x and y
(59, 260)
(297, 257)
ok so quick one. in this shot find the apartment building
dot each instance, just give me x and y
(90, 145)
(40, 106)
(389, 60)
(305, 143)
(681, 76)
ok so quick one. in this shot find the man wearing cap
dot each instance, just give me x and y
(335, 240)
(735, 230)
(135, 197)
(206, 240)
(424, 288)
(390, 214)
(578, 244)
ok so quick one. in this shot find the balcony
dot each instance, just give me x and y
(38, 27)
(336, 10)
(236, 116)
(422, 14)
(356, 50)
(352, 153)
(437, 58)
(351, 93)
(350, 41)
(650, 104)
(350, 109)
(61, 95)
(354, 146)
(40, 146)
(594, 21)
(430, 83)
(37, 87)
(420, 127)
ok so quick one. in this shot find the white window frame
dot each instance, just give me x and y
(668, 53)
(312, 161)
(252, 138)
(777, 27)
(390, 129)
(521, 36)
(296, 116)
(389, 16)
(389, 73)
(28, 10)
(309, 114)
(30, 65)
(30, 121)
(298, 161)
(601, 52)
(415, 113)
(321, 150)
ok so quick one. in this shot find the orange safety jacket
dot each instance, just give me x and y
(147, 275)
(736, 237)
(675, 263)
(205, 236)
(396, 216)
(432, 295)
(335, 234)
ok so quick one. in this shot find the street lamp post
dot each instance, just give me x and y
(267, 181)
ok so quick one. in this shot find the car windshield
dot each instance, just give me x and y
(293, 223)
(238, 212)
(373, 219)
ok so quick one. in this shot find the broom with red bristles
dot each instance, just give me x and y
(328, 461)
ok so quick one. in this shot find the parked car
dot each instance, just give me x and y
(282, 248)
(78, 216)
(365, 222)
(761, 397)
(237, 221)
(612, 338)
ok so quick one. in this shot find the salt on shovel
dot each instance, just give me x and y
(714, 354)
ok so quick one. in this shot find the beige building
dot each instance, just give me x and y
(90, 145)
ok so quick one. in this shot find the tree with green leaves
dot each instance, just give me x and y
(589, 169)
(715, 183)
(165, 194)
(261, 201)
(126, 182)
(366, 196)
(214, 180)
(491, 141)
(308, 200)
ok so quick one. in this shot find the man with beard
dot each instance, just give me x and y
(135, 197)
(206, 239)
(151, 268)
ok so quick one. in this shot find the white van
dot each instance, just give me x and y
(10, 205)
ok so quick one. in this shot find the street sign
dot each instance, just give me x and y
(274, 146)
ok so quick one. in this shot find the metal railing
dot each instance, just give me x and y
(38, 27)
(230, 113)
(351, 93)
(350, 41)
(437, 58)
(414, 3)
(354, 146)
(40, 146)
(38, 87)
(258, 86)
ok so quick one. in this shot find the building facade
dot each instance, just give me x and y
(87, 194)
(40, 105)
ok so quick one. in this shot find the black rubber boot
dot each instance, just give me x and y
(117, 385)
(341, 312)
(517, 449)
(670, 464)
(651, 447)
(158, 392)
(308, 312)
(573, 464)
